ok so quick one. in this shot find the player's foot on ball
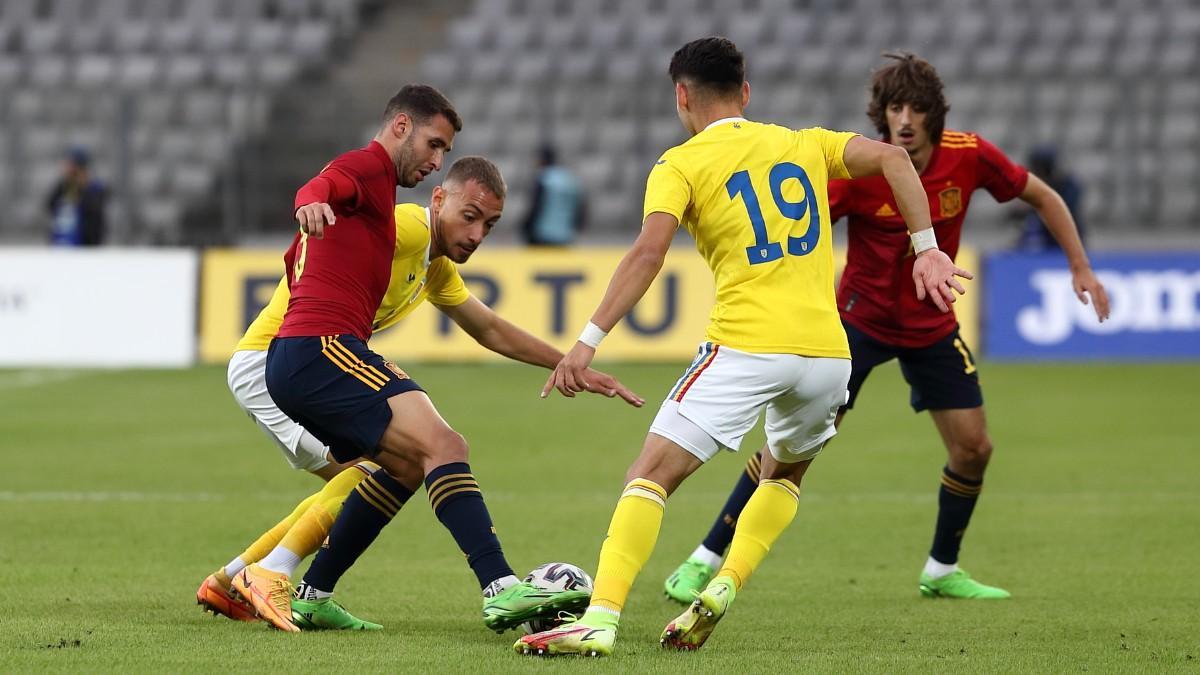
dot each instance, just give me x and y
(525, 602)
(214, 596)
(327, 614)
(570, 638)
(686, 582)
(270, 593)
(691, 629)
(959, 584)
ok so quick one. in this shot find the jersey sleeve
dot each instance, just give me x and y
(446, 286)
(340, 182)
(833, 148)
(667, 189)
(998, 174)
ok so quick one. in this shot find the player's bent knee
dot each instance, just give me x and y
(773, 469)
(446, 446)
(974, 452)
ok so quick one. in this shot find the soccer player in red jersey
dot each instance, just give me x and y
(884, 320)
(321, 373)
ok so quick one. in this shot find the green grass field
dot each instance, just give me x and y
(121, 490)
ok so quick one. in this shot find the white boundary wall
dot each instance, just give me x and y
(102, 308)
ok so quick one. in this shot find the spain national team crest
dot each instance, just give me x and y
(950, 200)
(391, 365)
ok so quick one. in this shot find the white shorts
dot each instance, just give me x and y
(247, 377)
(721, 395)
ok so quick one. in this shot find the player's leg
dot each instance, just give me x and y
(367, 510)
(420, 433)
(694, 573)
(711, 407)
(321, 391)
(246, 377)
(798, 425)
(632, 532)
(945, 381)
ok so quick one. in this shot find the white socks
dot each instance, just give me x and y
(938, 570)
(280, 560)
(702, 554)
(236, 565)
(499, 586)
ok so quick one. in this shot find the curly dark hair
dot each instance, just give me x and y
(910, 79)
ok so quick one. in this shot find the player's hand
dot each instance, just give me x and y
(1085, 283)
(314, 217)
(570, 375)
(607, 385)
(933, 273)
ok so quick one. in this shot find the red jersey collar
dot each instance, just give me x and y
(376, 148)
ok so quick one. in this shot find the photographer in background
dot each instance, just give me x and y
(76, 204)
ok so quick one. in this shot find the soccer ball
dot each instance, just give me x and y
(555, 576)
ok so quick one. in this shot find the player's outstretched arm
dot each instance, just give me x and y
(1054, 213)
(312, 207)
(634, 274)
(933, 271)
(507, 339)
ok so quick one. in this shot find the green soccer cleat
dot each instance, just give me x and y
(959, 584)
(686, 582)
(576, 638)
(691, 629)
(525, 602)
(327, 614)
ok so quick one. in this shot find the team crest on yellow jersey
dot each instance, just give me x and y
(950, 201)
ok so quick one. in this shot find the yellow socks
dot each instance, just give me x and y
(631, 538)
(300, 534)
(306, 535)
(270, 539)
(768, 513)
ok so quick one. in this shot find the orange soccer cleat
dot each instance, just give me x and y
(270, 593)
(214, 596)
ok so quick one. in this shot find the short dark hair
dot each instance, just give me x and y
(479, 169)
(422, 102)
(910, 79)
(713, 64)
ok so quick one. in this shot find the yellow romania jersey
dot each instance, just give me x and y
(755, 199)
(415, 279)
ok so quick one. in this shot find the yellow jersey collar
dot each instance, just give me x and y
(429, 228)
(724, 120)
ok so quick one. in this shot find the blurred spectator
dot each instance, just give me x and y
(76, 204)
(1035, 238)
(557, 210)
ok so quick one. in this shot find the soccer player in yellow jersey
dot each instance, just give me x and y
(754, 198)
(428, 242)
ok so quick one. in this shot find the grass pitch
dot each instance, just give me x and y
(122, 490)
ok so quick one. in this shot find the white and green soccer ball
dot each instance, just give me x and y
(555, 576)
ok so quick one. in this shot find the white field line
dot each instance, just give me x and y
(24, 379)
(128, 496)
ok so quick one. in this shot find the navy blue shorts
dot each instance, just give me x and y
(942, 375)
(337, 389)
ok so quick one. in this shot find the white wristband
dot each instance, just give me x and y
(592, 335)
(923, 241)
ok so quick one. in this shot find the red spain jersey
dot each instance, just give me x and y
(877, 294)
(337, 282)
